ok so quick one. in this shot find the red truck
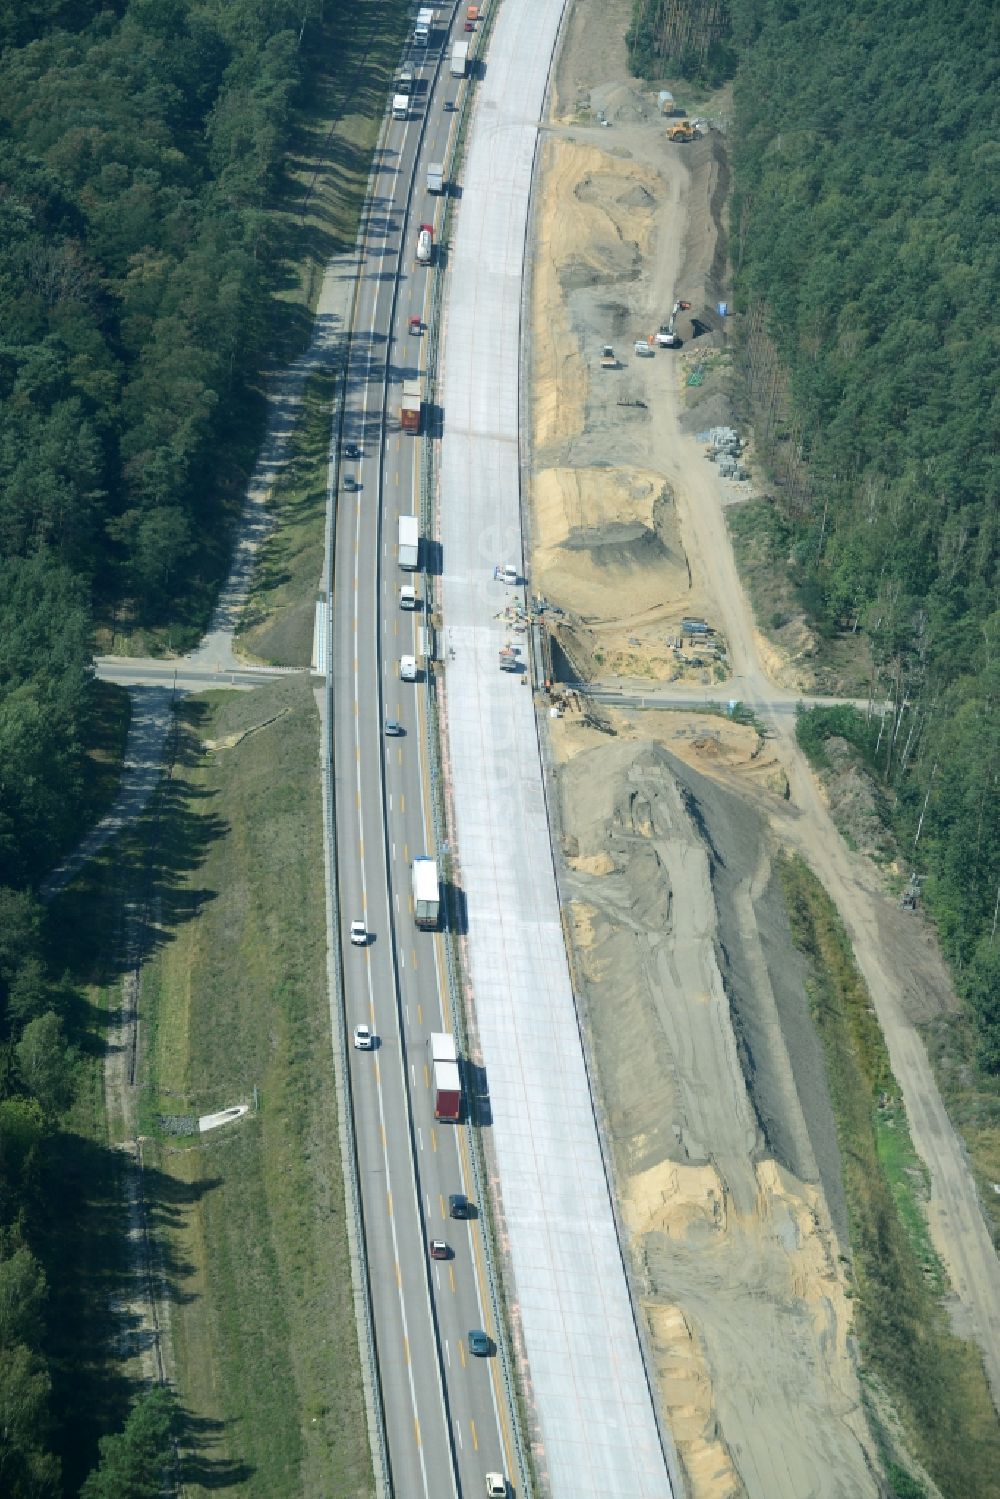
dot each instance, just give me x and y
(447, 1081)
(412, 406)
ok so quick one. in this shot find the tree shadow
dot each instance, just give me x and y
(197, 1436)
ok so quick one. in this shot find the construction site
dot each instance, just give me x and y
(711, 1080)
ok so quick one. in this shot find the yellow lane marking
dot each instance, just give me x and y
(441, 1201)
(388, 1198)
(406, 1348)
(427, 1076)
(402, 803)
(451, 1277)
(416, 1430)
(475, 1439)
(461, 1352)
(420, 1014)
(399, 1275)
(434, 1140)
(414, 957)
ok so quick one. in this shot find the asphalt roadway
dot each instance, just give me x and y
(446, 1418)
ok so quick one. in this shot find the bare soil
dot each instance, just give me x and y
(712, 1080)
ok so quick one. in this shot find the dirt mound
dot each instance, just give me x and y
(711, 1212)
(606, 542)
(621, 103)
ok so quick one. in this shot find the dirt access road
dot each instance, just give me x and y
(628, 532)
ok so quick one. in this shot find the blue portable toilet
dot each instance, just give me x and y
(723, 309)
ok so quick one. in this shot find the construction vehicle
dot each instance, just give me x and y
(667, 338)
(508, 658)
(681, 130)
(608, 359)
(644, 348)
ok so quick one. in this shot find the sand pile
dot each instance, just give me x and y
(606, 542)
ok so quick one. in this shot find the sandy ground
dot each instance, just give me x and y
(713, 1082)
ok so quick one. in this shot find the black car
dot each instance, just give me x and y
(479, 1343)
(459, 1206)
(351, 450)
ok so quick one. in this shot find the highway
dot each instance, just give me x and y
(447, 1423)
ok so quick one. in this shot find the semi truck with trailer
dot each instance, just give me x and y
(447, 1078)
(459, 59)
(426, 892)
(409, 543)
(411, 407)
(422, 26)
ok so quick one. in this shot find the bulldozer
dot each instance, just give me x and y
(681, 130)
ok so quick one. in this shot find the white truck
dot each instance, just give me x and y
(435, 177)
(407, 668)
(422, 28)
(409, 543)
(459, 59)
(426, 892)
(400, 106)
(407, 597)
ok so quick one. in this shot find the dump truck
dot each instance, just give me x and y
(426, 892)
(681, 130)
(435, 177)
(412, 406)
(409, 543)
(425, 244)
(447, 1078)
(608, 358)
(422, 26)
(459, 59)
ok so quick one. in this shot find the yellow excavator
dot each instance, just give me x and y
(681, 130)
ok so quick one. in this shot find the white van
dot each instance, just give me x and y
(408, 668)
(407, 597)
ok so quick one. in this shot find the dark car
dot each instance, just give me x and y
(393, 726)
(459, 1206)
(351, 450)
(479, 1343)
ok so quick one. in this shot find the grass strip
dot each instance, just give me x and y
(934, 1379)
(250, 1219)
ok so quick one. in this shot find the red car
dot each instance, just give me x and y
(439, 1250)
(416, 326)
